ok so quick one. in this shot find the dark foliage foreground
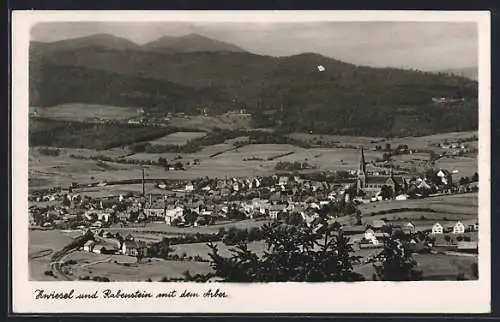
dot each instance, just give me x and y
(304, 254)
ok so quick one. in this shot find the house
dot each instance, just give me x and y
(154, 212)
(283, 180)
(123, 216)
(99, 249)
(378, 224)
(423, 185)
(88, 246)
(437, 228)
(189, 187)
(130, 248)
(102, 216)
(459, 228)
(274, 210)
(369, 234)
(410, 227)
(173, 213)
(97, 224)
(402, 197)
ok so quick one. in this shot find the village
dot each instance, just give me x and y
(138, 224)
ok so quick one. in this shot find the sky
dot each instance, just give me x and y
(428, 46)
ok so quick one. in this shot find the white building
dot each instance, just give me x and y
(459, 228)
(369, 234)
(437, 228)
(171, 214)
(89, 245)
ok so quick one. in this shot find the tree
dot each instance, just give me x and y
(292, 254)
(254, 234)
(65, 201)
(396, 263)
(295, 219)
(178, 166)
(235, 214)
(386, 192)
(190, 216)
(475, 177)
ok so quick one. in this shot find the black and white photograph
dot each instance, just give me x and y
(250, 151)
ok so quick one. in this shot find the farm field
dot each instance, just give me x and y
(167, 229)
(222, 160)
(331, 158)
(340, 139)
(84, 112)
(155, 270)
(48, 171)
(230, 121)
(466, 166)
(423, 142)
(178, 138)
(456, 201)
(446, 210)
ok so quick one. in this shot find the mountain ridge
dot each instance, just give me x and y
(290, 93)
(168, 44)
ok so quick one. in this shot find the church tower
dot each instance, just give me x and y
(361, 171)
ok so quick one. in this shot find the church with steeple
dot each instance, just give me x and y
(371, 185)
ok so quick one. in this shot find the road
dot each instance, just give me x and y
(56, 266)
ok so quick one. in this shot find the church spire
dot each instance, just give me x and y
(362, 163)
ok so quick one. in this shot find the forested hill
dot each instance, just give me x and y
(289, 93)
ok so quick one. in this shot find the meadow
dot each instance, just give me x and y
(421, 142)
(423, 213)
(224, 159)
(140, 272)
(178, 138)
(83, 112)
(466, 166)
(161, 228)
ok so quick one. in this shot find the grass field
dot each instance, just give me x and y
(223, 159)
(423, 142)
(178, 138)
(167, 229)
(446, 210)
(50, 171)
(230, 121)
(466, 166)
(82, 112)
(155, 270)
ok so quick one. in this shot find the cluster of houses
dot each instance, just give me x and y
(375, 233)
(207, 201)
(214, 200)
(108, 243)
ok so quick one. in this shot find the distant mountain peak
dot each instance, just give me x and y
(102, 40)
(192, 42)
